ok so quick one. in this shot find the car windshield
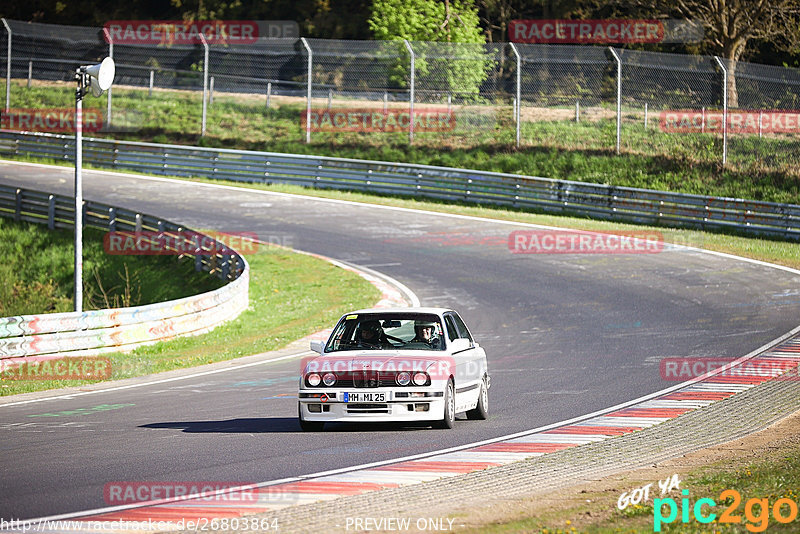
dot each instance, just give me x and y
(407, 331)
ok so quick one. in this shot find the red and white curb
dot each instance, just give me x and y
(782, 362)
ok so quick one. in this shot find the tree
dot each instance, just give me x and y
(733, 26)
(426, 21)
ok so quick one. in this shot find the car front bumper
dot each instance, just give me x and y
(404, 405)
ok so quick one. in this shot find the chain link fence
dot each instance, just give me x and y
(456, 94)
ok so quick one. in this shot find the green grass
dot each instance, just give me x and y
(291, 295)
(760, 169)
(37, 273)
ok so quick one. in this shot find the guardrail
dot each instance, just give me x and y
(98, 331)
(424, 181)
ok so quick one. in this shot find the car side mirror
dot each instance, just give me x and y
(317, 346)
(460, 344)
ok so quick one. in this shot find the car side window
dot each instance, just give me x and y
(462, 328)
(452, 331)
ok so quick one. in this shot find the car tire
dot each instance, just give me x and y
(449, 419)
(308, 426)
(481, 410)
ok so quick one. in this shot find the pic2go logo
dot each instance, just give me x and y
(756, 511)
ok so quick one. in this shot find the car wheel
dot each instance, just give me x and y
(308, 426)
(481, 411)
(449, 418)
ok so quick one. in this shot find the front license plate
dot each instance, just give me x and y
(366, 397)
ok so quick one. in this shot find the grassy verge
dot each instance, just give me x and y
(38, 265)
(291, 295)
(760, 168)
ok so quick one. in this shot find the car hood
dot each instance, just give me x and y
(381, 360)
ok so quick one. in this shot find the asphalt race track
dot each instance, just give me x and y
(565, 335)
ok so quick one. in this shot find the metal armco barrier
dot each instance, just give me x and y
(424, 181)
(99, 331)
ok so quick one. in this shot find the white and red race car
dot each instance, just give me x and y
(404, 364)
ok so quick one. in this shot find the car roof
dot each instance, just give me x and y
(418, 309)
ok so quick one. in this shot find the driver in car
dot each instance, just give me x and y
(372, 334)
(425, 333)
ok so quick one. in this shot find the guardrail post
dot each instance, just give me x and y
(309, 82)
(18, 205)
(205, 83)
(411, 92)
(108, 92)
(724, 109)
(8, 66)
(138, 223)
(112, 219)
(619, 93)
(51, 212)
(519, 90)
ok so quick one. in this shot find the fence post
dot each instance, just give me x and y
(51, 212)
(150, 90)
(211, 92)
(30, 73)
(724, 109)
(18, 205)
(269, 93)
(645, 115)
(519, 90)
(619, 93)
(108, 92)
(308, 89)
(411, 94)
(578, 111)
(385, 101)
(8, 66)
(205, 83)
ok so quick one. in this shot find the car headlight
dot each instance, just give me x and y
(329, 379)
(403, 378)
(420, 379)
(313, 380)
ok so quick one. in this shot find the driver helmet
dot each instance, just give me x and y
(419, 324)
(371, 325)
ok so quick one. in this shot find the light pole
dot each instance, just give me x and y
(99, 78)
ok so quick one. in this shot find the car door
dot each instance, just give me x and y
(470, 361)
